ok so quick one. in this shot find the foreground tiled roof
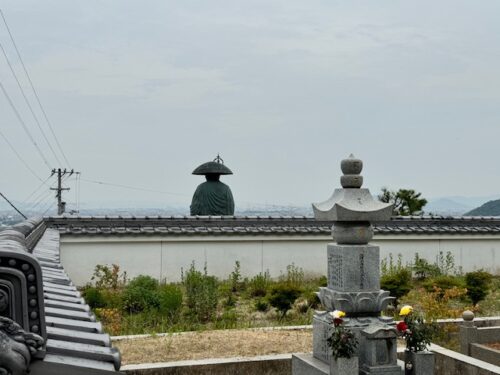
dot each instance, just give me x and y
(46, 312)
(73, 335)
(260, 225)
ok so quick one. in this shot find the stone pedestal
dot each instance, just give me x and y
(378, 350)
(419, 363)
(353, 268)
(344, 366)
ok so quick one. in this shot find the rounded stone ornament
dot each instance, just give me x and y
(468, 316)
(351, 181)
(352, 233)
(351, 165)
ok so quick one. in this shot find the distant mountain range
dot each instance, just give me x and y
(456, 205)
(452, 205)
(491, 208)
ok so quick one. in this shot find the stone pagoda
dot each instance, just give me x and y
(353, 280)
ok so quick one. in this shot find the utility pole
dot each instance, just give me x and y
(61, 206)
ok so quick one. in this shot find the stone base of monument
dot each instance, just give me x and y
(306, 364)
(322, 330)
(419, 363)
(344, 366)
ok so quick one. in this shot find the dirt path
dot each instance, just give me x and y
(214, 344)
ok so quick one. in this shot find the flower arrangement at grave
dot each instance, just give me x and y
(414, 330)
(342, 341)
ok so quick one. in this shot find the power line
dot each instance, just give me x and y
(24, 125)
(19, 156)
(14, 207)
(38, 188)
(35, 93)
(131, 187)
(42, 199)
(27, 101)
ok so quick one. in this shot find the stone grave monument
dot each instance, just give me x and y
(353, 280)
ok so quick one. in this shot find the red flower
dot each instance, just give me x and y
(402, 327)
(337, 322)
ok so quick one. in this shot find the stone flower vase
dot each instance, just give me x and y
(344, 366)
(419, 363)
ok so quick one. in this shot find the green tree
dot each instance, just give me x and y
(406, 201)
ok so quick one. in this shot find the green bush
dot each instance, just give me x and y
(423, 269)
(282, 297)
(93, 296)
(141, 294)
(323, 281)
(443, 282)
(201, 293)
(138, 299)
(261, 305)
(398, 283)
(259, 284)
(144, 282)
(170, 299)
(477, 284)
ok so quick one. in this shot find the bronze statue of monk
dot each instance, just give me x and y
(212, 197)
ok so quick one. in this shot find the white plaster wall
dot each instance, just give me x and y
(163, 258)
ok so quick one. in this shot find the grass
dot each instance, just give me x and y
(214, 344)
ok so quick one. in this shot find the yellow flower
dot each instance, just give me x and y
(337, 314)
(405, 310)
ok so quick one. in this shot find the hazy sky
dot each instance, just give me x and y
(141, 92)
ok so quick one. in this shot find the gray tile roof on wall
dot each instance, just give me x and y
(261, 225)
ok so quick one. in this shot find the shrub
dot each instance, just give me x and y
(111, 318)
(283, 296)
(446, 263)
(294, 276)
(423, 269)
(235, 278)
(94, 297)
(201, 293)
(438, 303)
(170, 299)
(477, 284)
(141, 294)
(106, 277)
(323, 281)
(443, 282)
(259, 284)
(227, 320)
(398, 283)
(144, 282)
(139, 299)
(261, 305)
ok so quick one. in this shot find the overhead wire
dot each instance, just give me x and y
(19, 156)
(21, 121)
(46, 194)
(38, 188)
(36, 96)
(131, 187)
(35, 117)
(12, 205)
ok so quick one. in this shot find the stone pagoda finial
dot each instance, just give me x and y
(351, 168)
(352, 203)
